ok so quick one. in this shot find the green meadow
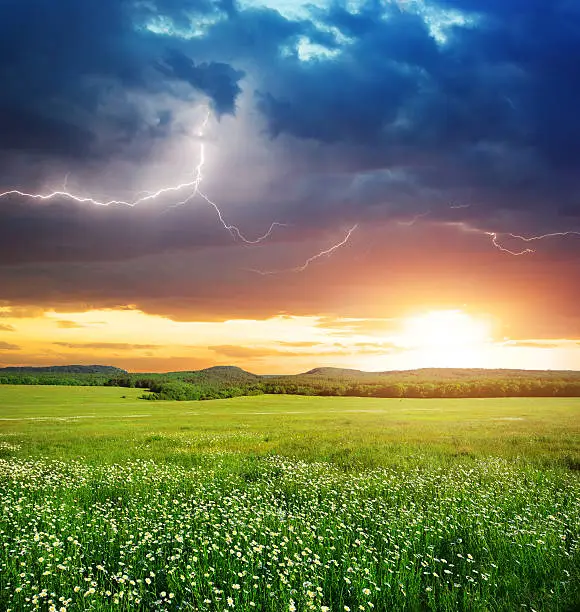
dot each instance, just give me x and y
(289, 503)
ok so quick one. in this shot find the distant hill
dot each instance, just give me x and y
(231, 374)
(436, 374)
(234, 374)
(428, 383)
(334, 373)
(66, 369)
(219, 382)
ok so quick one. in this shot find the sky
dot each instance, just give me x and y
(284, 185)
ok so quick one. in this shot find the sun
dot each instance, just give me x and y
(444, 329)
(446, 338)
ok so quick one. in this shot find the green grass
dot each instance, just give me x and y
(115, 503)
(111, 424)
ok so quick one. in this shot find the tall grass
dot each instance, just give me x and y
(290, 504)
(275, 534)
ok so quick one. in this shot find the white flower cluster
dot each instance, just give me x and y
(273, 534)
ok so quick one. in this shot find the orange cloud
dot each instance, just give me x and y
(6, 346)
(70, 325)
(245, 352)
(365, 327)
(106, 346)
(299, 344)
(21, 312)
(542, 344)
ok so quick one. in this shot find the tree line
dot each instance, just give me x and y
(224, 383)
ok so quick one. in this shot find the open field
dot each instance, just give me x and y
(97, 423)
(287, 502)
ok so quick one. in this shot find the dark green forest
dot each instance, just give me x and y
(229, 381)
(69, 375)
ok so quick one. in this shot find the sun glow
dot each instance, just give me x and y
(447, 338)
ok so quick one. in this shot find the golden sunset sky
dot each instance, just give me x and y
(133, 340)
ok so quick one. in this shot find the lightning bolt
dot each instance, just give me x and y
(414, 219)
(319, 255)
(543, 236)
(495, 236)
(495, 240)
(232, 229)
(327, 251)
(497, 245)
(194, 185)
(235, 230)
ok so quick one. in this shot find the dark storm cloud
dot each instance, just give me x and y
(64, 230)
(69, 70)
(495, 104)
(353, 97)
(389, 124)
(403, 271)
(217, 80)
(491, 113)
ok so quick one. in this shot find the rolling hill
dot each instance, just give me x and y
(65, 369)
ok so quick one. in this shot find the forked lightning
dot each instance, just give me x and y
(305, 265)
(194, 185)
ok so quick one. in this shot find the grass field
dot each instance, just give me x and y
(287, 503)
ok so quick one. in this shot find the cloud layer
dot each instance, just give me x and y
(450, 116)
